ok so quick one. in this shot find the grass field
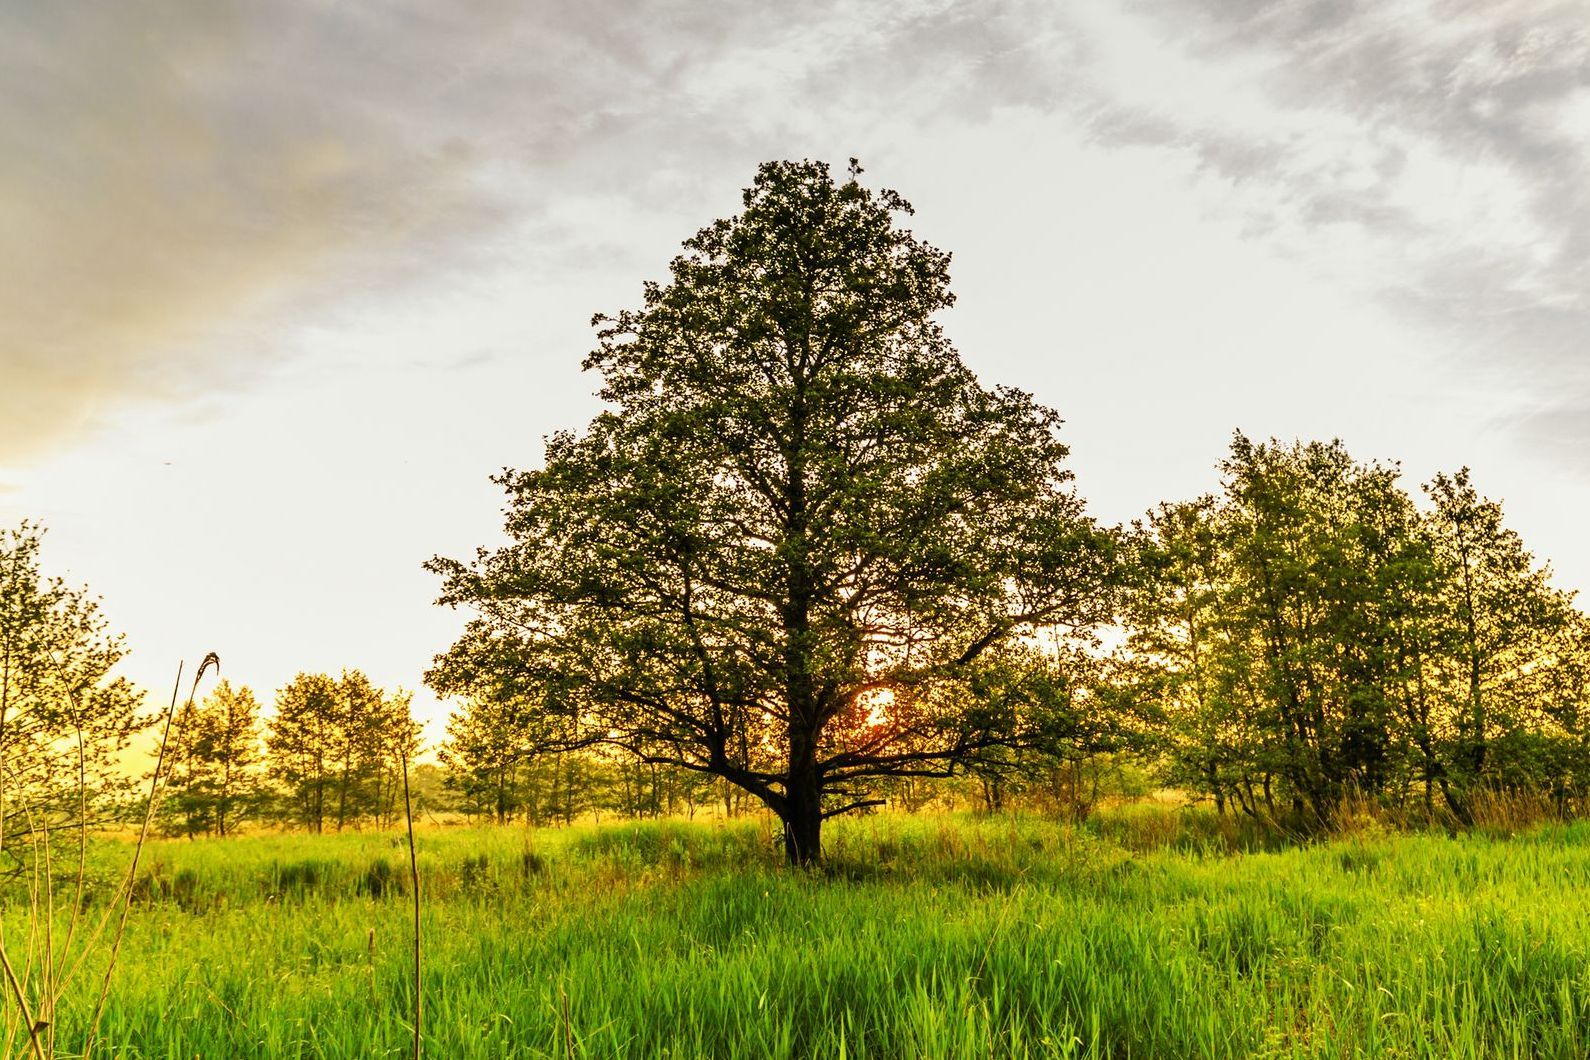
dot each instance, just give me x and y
(1150, 934)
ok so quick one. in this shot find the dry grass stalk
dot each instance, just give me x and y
(210, 660)
(414, 883)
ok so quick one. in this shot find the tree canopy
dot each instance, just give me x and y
(1311, 636)
(64, 717)
(802, 548)
(337, 746)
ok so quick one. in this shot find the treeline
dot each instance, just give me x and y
(332, 756)
(542, 788)
(1311, 635)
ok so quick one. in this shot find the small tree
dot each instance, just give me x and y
(492, 757)
(214, 760)
(1179, 646)
(799, 498)
(64, 718)
(359, 725)
(1499, 613)
(300, 746)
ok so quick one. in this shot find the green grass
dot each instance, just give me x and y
(936, 937)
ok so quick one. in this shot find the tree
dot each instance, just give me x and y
(214, 758)
(394, 740)
(797, 497)
(338, 744)
(64, 718)
(1499, 626)
(1563, 687)
(1272, 625)
(1499, 609)
(1179, 650)
(300, 745)
(358, 728)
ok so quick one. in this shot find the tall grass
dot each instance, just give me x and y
(54, 950)
(414, 889)
(932, 937)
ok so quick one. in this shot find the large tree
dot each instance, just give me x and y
(797, 549)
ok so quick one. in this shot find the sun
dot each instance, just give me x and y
(877, 702)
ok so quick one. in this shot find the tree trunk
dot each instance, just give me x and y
(342, 792)
(802, 809)
(225, 801)
(803, 825)
(1455, 802)
(1429, 790)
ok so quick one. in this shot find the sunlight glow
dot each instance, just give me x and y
(877, 702)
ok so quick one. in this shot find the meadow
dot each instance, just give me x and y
(1151, 932)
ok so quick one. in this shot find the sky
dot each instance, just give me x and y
(282, 284)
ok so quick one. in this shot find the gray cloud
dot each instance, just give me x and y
(175, 179)
(1433, 96)
(182, 181)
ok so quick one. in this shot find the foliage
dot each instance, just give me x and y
(64, 717)
(337, 746)
(1311, 635)
(799, 500)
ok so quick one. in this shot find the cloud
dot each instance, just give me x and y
(1435, 154)
(172, 183)
(184, 181)
(187, 183)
